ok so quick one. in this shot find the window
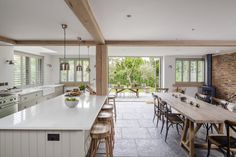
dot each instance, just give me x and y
(75, 76)
(189, 70)
(27, 70)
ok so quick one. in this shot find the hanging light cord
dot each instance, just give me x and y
(88, 51)
(64, 28)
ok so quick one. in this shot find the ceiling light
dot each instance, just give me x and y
(64, 65)
(88, 68)
(79, 66)
(128, 16)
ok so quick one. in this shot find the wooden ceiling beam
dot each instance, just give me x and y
(154, 43)
(7, 40)
(190, 43)
(82, 9)
(53, 43)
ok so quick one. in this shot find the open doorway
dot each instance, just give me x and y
(134, 78)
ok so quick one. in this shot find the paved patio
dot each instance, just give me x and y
(136, 134)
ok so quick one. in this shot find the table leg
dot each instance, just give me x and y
(221, 128)
(191, 139)
(185, 131)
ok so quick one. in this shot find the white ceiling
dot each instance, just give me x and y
(151, 20)
(166, 19)
(39, 19)
(167, 51)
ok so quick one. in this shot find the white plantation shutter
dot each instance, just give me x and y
(27, 70)
(72, 75)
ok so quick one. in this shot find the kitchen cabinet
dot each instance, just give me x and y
(29, 100)
(33, 98)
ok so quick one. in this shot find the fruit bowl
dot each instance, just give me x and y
(71, 102)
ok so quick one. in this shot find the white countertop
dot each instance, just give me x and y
(37, 89)
(55, 115)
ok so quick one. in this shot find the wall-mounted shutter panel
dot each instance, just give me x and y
(28, 70)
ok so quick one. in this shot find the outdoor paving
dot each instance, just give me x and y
(137, 135)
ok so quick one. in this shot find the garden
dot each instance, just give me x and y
(134, 72)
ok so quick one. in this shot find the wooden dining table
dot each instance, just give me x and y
(135, 90)
(195, 117)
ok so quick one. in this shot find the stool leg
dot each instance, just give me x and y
(93, 148)
(114, 102)
(110, 147)
(107, 147)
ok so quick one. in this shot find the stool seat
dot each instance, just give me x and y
(105, 115)
(107, 107)
(100, 130)
(111, 96)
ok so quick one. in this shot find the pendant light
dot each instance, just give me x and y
(88, 68)
(79, 66)
(64, 65)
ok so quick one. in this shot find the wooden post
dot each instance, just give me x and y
(101, 70)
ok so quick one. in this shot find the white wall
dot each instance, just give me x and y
(6, 70)
(48, 70)
(168, 73)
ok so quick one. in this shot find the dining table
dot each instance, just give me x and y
(196, 113)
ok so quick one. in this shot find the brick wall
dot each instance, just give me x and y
(224, 75)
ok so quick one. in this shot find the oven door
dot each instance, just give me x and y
(8, 109)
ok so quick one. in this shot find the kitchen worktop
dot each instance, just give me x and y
(37, 89)
(53, 114)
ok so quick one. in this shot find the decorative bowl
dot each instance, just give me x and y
(71, 102)
(183, 99)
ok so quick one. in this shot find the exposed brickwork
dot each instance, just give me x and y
(224, 75)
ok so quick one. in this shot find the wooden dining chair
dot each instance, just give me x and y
(180, 90)
(219, 102)
(156, 113)
(162, 90)
(203, 97)
(224, 142)
(168, 118)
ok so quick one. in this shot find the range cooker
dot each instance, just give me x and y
(8, 104)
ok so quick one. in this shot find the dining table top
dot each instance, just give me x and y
(204, 113)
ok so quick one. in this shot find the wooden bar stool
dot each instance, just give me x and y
(107, 117)
(107, 107)
(112, 99)
(99, 132)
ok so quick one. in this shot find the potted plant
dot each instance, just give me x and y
(82, 87)
(71, 102)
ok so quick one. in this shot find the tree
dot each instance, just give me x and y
(130, 70)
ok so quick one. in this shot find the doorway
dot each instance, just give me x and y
(134, 77)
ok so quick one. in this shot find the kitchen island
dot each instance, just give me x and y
(50, 129)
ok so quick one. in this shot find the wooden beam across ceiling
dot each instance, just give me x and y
(53, 43)
(7, 40)
(154, 43)
(82, 9)
(190, 43)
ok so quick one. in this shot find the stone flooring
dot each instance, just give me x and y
(137, 135)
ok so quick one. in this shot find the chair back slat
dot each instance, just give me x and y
(219, 102)
(163, 90)
(202, 97)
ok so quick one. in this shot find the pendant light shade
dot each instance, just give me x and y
(79, 66)
(88, 68)
(64, 65)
